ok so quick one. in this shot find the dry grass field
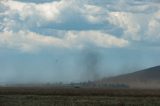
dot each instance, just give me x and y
(39, 96)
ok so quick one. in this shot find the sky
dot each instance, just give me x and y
(48, 41)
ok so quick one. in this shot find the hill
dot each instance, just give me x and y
(147, 78)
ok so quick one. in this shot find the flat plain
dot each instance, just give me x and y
(61, 96)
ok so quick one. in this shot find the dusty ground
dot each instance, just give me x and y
(16, 96)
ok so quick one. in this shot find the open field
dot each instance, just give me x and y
(39, 96)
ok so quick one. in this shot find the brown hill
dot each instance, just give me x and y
(147, 78)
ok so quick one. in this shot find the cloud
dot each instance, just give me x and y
(29, 42)
(153, 27)
(29, 15)
(25, 26)
(97, 38)
(36, 1)
(126, 21)
(80, 23)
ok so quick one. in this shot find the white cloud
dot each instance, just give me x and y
(127, 21)
(32, 14)
(82, 23)
(97, 38)
(30, 42)
(19, 18)
(154, 26)
(93, 13)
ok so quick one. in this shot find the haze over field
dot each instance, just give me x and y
(76, 40)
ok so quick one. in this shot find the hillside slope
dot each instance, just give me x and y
(147, 78)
